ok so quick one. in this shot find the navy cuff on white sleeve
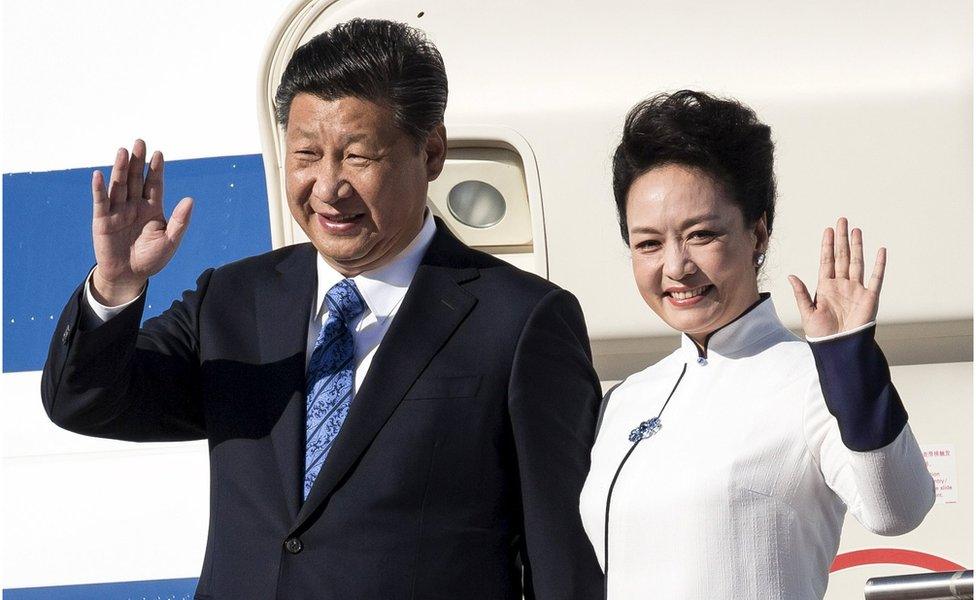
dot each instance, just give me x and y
(856, 385)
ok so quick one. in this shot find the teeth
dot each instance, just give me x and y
(689, 294)
(342, 218)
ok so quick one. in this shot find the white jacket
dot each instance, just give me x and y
(742, 492)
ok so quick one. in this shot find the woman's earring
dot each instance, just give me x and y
(760, 259)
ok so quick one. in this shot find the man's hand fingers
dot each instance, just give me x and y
(803, 300)
(877, 276)
(100, 203)
(137, 164)
(842, 250)
(153, 190)
(857, 256)
(827, 254)
(117, 183)
(179, 220)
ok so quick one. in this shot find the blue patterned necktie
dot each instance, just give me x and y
(329, 382)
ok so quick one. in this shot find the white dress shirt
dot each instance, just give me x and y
(382, 289)
(742, 492)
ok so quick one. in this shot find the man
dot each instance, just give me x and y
(389, 413)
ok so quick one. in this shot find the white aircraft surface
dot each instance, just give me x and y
(871, 109)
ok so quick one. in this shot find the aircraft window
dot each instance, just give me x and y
(476, 204)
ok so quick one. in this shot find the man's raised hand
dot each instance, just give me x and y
(132, 238)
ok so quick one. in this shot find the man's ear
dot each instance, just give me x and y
(435, 149)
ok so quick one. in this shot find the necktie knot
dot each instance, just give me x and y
(344, 300)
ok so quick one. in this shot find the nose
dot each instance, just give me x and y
(330, 183)
(678, 263)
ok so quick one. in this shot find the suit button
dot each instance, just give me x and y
(293, 545)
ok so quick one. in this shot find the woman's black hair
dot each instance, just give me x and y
(385, 62)
(720, 136)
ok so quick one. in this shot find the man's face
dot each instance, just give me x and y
(356, 184)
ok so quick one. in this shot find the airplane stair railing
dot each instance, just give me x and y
(949, 585)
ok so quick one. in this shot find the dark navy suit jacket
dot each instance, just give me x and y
(456, 474)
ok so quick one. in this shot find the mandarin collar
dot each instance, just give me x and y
(384, 288)
(757, 322)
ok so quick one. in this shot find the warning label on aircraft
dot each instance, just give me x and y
(941, 462)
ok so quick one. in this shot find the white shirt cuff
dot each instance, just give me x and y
(842, 333)
(101, 312)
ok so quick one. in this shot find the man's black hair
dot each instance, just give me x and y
(389, 63)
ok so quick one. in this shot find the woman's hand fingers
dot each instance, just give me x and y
(857, 256)
(803, 300)
(827, 255)
(842, 250)
(877, 276)
(843, 302)
(117, 189)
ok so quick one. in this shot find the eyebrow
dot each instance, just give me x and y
(346, 139)
(354, 137)
(304, 133)
(689, 222)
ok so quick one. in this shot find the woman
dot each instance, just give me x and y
(725, 470)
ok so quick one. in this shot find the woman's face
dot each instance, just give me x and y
(693, 255)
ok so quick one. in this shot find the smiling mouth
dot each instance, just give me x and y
(341, 224)
(688, 294)
(341, 218)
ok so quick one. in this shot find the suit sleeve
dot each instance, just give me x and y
(120, 381)
(554, 396)
(856, 422)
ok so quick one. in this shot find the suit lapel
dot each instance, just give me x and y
(432, 309)
(284, 307)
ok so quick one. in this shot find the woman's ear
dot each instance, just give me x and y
(761, 233)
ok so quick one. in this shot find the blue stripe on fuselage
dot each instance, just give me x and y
(163, 589)
(47, 248)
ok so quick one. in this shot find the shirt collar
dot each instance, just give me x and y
(384, 288)
(757, 322)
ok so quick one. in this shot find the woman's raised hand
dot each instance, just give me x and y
(842, 301)
(132, 238)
